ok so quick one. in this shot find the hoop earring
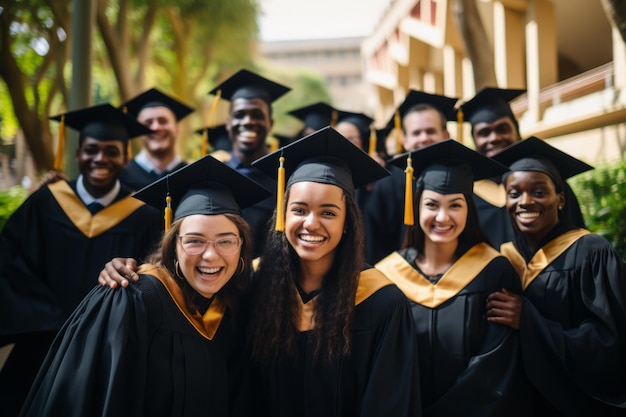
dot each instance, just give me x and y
(241, 267)
(179, 275)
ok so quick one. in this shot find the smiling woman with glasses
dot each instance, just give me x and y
(171, 343)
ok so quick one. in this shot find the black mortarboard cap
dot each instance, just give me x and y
(324, 156)
(490, 104)
(206, 186)
(448, 167)
(317, 115)
(442, 103)
(156, 98)
(217, 137)
(103, 122)
(249, 85)
(534, 154)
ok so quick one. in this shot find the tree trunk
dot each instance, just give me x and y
(476, 42)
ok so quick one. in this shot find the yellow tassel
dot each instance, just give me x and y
(205, 141)
(397, 124)
(459, 125)
(168, 213)
(129, 150)
(273, 144)
(58, 159)
(333, 118)
(408, 193)
(372, 148)
(280, 196)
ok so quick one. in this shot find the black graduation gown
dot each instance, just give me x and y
(51, 251)
(495, 220)
(135, 177)
(133, 352)
(468, 366)
(379, 378)
(258, 215)
(383, 214)
(573, 322)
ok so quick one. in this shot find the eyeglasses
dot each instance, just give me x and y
(193, 245)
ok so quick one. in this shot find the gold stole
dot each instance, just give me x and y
(206, 325)
(544, 256)
(370, 281)
(92, 225)
(419, 289)
(492, 192)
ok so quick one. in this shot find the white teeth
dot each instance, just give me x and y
(528, 215)
(308, 238)
(248, 134)
(209, 270)
(100, 171)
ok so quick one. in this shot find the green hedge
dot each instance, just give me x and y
(601, 194)
(10, 199)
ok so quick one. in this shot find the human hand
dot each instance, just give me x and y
(504, 307)
(52, 176)
(118, 271)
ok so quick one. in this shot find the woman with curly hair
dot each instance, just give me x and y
(328, 334)
(168, 345)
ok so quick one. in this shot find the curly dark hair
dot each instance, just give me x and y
(471, 235)
(165, 256)
(273, 331)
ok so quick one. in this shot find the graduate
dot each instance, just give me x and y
(316, 116)
(248, 124)
(468, 366)
(419, 121)
(572, 313)
(162, 114)
(170, 343)
(55, 243)
(494, 127)
(329, 336)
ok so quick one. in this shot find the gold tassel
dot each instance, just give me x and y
(459, 125)
(397, 124)
(129, 148)
(280, 196)
(274, 144)
(372, 147)
(205, 141)
(168, 212)
(408, 193)
(58, 159)
(333, 118)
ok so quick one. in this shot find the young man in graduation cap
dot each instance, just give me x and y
(494, 127)
(55, 243)
(160, 113)
(248, 124)
(419, 121)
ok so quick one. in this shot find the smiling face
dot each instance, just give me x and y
(421, 128)
(492, 137)
(208, 271)
(315, 221)
(442, 216)
(100, 162)
(248, 124)
(533, 203)
(163, 122)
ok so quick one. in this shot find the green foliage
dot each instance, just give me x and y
(601, 195)
(9, 201)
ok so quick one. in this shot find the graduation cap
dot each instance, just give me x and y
(446, 167)
(445, 105)
(156, 98)
(206, 186)
(362, 123)
(534, 154)
(101, 122)
(216, 136)
(318, 115)
(490, 104)
(248, 85)
(324, 156)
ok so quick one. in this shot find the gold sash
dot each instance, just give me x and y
(492, 192)
(420, 290)
(92, 225)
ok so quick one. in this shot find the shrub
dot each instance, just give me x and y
(602, 197)
(10, 199)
